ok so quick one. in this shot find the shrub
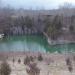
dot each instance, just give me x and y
(69, 64)
(5, 69)
(33, 69)
(31, 58)
(70, 68)
(19, 61)
(26, 60)
(40, 58)
(13, 60)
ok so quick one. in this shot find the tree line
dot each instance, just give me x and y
(11, 24)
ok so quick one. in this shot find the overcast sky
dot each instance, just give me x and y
(36, 4)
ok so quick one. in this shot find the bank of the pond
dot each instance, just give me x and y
(32, 43)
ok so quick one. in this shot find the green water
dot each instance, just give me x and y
(32, 43)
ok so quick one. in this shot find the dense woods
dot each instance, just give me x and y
(27, 22)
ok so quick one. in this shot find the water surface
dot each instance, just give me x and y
(32, 43)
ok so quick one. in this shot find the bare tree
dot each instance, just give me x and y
(5, 69)
(33, 69)
(66, 5)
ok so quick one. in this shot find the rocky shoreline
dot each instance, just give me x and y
(57, 42)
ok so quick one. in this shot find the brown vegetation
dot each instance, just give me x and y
(40, 58)
(5, 69)
(69, 64)
(33, 69)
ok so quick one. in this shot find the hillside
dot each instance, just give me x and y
(57, 24)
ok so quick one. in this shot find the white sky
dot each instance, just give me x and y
(47, 4)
